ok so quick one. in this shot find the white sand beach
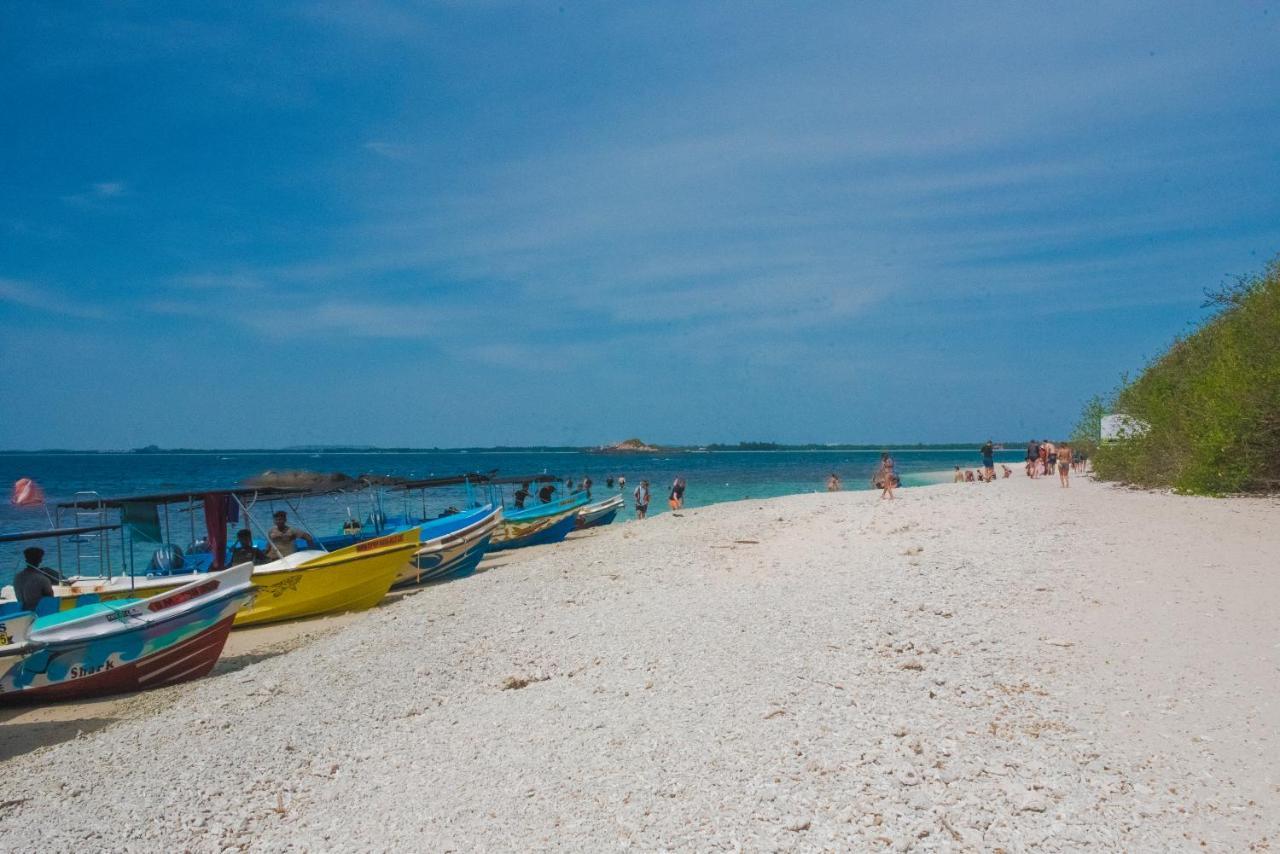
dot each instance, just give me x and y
(970, 667)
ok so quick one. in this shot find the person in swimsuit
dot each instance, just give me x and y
(1064, 465)
(888, 477)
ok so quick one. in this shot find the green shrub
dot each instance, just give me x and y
(1212, 402)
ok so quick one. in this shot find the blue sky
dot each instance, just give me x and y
(484, 223)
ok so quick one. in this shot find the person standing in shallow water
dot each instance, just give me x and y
(887, 476)
(642, 499)
(677, 493)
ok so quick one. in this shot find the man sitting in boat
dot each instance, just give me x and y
(284, 537)
(245, 551)
(33, 582)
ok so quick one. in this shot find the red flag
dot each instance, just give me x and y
(26, 493)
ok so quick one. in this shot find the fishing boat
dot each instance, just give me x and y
(547, 522)
(452, 547)
(310, 583)
(306, 583)
(534, 532)
(123, 645)
(454, 542)
(599, 514)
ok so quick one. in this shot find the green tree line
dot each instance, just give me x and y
(1210, 403)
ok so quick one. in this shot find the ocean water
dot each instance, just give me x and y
(712, 477)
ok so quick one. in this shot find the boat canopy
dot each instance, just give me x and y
(190, 495)
(54, 533)
(448, 480)
(528, 478)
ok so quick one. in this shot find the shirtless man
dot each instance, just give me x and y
(284, 537)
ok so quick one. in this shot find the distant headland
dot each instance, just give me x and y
(630, 446)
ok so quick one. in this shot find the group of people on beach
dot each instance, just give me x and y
(1044, 458)
(675, 496)
(982, 475)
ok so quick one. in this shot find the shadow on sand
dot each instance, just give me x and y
(17, 738)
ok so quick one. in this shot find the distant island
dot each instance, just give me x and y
(628, 446)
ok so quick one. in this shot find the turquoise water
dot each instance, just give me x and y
(711, 477)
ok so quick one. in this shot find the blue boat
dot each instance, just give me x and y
(452, 547)
(535, 532)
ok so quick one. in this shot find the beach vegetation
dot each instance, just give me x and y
(1210, 403)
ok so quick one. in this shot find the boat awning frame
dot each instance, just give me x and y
(54, 533)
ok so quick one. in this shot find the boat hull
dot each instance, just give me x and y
(600, 513)
(600, 521)
(351, 579)
(551, 529)
(188, 660)
(453, 554)
(456, 561)
(143, 644)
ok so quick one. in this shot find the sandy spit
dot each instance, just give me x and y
(972, 666)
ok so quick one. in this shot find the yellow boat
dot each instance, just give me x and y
(305, 584)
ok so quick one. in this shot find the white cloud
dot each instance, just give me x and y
(97, 195)
(47, 300)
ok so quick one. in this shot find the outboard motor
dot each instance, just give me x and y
(165, 560)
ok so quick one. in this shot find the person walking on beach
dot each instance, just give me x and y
(642, 499)
(887, 476)
(284, 537)
(989, 459)
(959, 477)
(1064, 465)
(1033, 457)
(677, 493)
